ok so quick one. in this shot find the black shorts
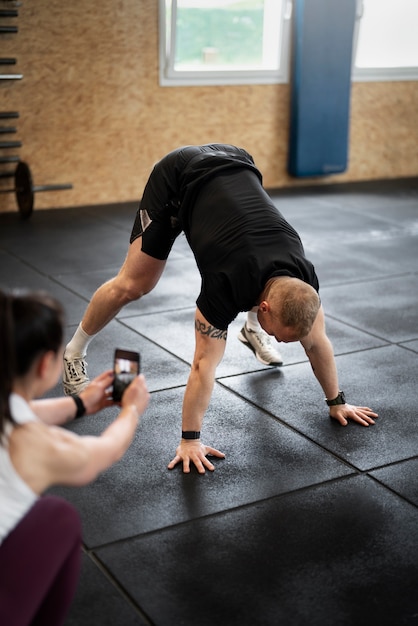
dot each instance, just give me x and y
(158, 231)
(180, 174)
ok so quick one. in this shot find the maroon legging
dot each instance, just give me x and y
(40, 564)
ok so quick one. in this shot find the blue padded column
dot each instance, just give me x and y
(322, 47)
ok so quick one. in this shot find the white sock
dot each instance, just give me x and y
(78, 345)
(252, 320)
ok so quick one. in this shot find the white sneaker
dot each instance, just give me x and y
(74, 375)
(260, 343)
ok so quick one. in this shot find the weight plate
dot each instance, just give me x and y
(24, 189)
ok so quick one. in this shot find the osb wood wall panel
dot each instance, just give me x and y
(92, 112)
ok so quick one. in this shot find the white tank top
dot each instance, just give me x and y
(16, 497)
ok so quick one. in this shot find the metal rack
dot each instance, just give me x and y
(24, 189)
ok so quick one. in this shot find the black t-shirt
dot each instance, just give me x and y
(239, 238)
(240, 241)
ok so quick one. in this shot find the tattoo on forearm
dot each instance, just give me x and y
(210, 331)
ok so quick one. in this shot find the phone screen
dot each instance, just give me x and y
(125, 367)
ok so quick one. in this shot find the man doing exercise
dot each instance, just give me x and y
(250, 259)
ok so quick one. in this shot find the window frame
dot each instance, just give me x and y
(169, 77)
(376, 74)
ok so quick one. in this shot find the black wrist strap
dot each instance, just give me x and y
(81, 409)
(340, 399)
(190, 434)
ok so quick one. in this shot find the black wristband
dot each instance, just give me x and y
(81, 409)
(340, 399)
(190, 434)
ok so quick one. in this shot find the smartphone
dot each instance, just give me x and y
(126, 366)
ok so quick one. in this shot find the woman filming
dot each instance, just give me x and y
(40, 536)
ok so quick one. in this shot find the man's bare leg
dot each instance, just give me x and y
(138, 276)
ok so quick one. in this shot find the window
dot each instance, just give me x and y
(215, 42)
(386, 40)
(224, 41)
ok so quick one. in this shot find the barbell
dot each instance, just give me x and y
(25, 190)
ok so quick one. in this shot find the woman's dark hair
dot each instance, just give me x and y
(31, 323)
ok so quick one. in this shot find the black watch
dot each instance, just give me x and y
(190, 434)
(340, 399)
